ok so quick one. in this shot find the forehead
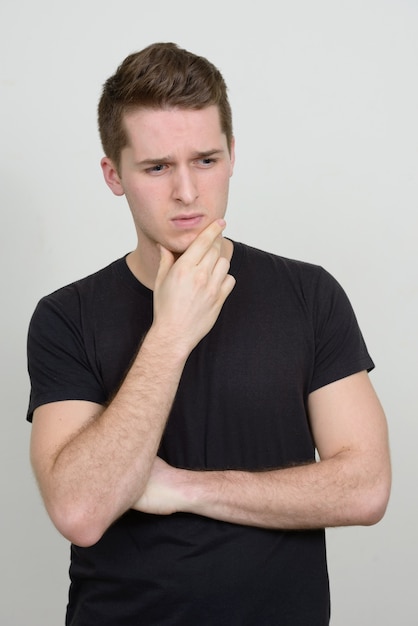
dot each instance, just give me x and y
(163, 130)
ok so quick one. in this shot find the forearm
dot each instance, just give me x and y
(337, 492)
(103, 469)
(92, 468)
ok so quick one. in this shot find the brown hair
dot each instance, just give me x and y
(159, 76)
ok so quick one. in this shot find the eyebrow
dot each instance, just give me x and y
(169, 159)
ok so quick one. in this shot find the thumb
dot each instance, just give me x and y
(166, 263)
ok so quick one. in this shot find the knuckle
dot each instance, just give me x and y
(200, 277)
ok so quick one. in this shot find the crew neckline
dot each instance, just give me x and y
(132, 281)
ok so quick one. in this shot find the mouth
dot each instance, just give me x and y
(187, 221)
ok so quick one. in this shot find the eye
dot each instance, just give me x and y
(207, 161)
(156, 169)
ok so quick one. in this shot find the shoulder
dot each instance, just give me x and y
(87, 283)
(69, 305)
(86, 287)
(291, 283)
(256, 255)
(266, 265)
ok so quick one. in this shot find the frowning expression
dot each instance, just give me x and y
(174, 173)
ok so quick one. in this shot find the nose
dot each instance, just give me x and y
(185, 188)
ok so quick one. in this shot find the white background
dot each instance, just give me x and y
(325, 102)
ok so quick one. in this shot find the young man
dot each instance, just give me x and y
(178, 395)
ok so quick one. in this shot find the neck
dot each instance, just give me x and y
(144, 264)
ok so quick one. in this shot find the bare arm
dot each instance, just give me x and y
(93, 463)
(349, 485)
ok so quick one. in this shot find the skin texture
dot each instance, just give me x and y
(349, 486)
(175, 176)
(93, 463)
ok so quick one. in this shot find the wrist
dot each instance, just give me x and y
(159, 340)
(196, 490)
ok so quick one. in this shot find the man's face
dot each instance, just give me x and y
(175, 174)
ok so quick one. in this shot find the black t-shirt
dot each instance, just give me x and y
(286, 329)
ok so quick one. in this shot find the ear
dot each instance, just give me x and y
(111, 176)
(232, 154)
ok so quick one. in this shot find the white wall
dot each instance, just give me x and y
(325, 98)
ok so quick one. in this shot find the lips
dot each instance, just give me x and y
(187, 220)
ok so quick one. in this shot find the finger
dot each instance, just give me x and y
(211, 257)
(203, 242)
(223, 281)
(228, 285)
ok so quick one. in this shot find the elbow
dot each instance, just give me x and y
(373, 512)
(80, 527)
(378, 506)
(83, 537)
(372, 505)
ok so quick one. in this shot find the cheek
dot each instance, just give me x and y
(141, 199)
(218, 185)
(225, 186)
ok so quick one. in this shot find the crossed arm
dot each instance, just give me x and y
(94, 463)
(350, 484)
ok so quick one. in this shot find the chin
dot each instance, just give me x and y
(180, 246)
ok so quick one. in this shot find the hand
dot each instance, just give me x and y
(161, 495)
(189, 293)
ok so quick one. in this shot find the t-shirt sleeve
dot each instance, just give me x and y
(340, 349)
(58, 365)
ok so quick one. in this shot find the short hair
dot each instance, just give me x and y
(160, 76)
